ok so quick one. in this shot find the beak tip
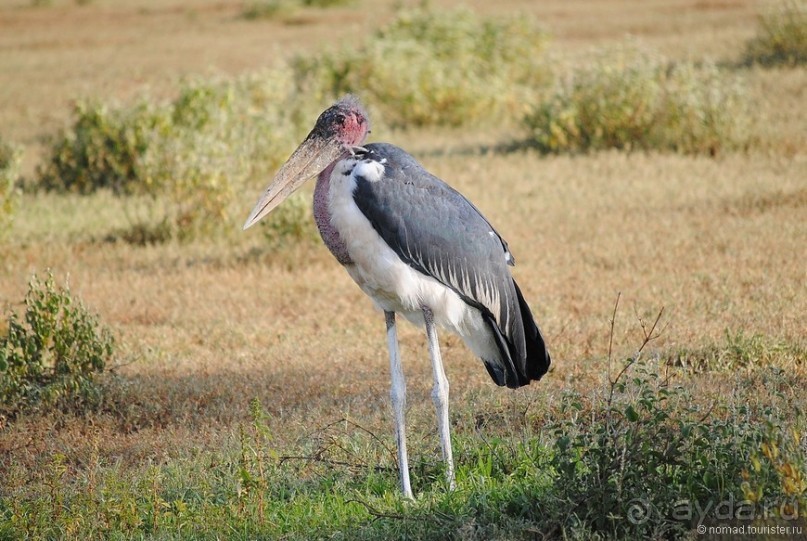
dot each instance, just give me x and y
(251, 220)
(249, 223)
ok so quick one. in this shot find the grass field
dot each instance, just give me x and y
(249, 393)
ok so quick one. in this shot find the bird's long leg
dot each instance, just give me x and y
(398, 396)
(440, 394)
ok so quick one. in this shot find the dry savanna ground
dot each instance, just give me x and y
(207, 326)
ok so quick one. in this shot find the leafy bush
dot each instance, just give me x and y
(781, 38)
(103, 149)
(51, 358)
(633, 100)
(435, 68)
(10, 157)
(647, 460)
(195, 152)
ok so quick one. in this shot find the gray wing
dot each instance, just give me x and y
(438, 232)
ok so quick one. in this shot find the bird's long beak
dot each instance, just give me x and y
(313, 155)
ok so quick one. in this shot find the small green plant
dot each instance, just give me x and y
(51, 357)
(781, 38)
(633, 100)
(431, 67)
(256, 461)
(10, 157)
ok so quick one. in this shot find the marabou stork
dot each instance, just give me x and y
(417, 248)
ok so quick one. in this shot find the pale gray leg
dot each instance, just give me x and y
(398, 396)
(440, 394)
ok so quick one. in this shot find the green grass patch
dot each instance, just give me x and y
(50, 357)
(781, 38)
(629, 99)
(638, 457)
(429, 67)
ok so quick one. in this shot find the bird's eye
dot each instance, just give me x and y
(340, 119)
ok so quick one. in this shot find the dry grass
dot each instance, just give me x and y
(206, 327)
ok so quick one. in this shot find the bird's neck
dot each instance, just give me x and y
(322, 216)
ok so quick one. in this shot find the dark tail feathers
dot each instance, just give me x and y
(538, 359)
(513, 371)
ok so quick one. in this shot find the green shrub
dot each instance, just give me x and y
(103, 149)
(781, 38)
(190, 155)
(233, 135)
(10, 157)
(51, 357)
(645, 459)
(633, 100)
(435, 68)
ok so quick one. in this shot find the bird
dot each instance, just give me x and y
(418, 249)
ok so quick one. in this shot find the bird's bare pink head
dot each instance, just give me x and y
(339, 128)
(345, 121)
